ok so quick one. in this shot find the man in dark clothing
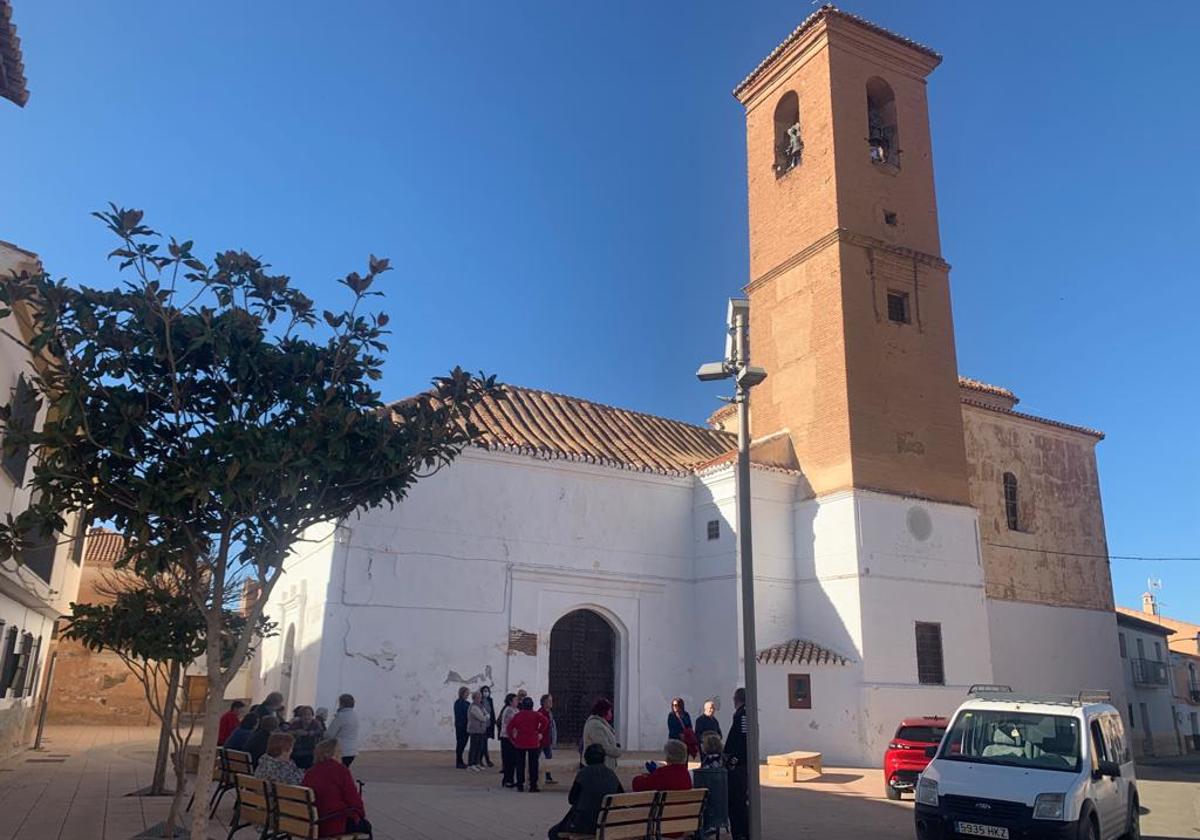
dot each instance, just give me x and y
(739, 780)
(592, 783)
(462, 708)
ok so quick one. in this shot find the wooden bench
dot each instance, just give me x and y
(227, 765)
(623, 816)
(786, 767)
(253, 806)
(295, 815)
(680, 812)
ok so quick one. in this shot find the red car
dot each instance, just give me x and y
(905, 757)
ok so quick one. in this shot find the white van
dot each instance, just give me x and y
(1013, 767)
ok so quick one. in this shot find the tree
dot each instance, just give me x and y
(156, 630)
(204, 411)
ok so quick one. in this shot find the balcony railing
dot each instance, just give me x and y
(1148, 672)
(1194, 694)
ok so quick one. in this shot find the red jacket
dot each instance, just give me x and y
(229, 722)
(665, 777)
(526, 729)
(336, 793)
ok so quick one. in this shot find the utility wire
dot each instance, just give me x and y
(1096, 556)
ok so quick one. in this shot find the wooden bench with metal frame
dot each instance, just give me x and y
(680, 812)
(623, 816)
(296, 815)
(253, 806)
(227, 765)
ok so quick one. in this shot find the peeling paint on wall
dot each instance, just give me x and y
(521, 641)
(484, 678)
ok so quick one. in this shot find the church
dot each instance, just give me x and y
(914, 531)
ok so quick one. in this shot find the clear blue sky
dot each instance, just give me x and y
(562, 189)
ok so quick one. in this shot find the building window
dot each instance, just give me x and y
(890, 218)
(24, 408)
(883, 134)
(1132, 722)
(714, 529)
(1141, 648)
(930, 668)
(799, 691)
(1158, 651)
(1012, 507)
(31, 681)
(8, 660)
(21, 672)
(1121, 645)
(897, 307)
(788, 144)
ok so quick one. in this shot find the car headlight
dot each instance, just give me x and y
(1049, 806)
(927, 792)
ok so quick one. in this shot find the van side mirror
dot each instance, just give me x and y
(931, 752)
(1107, 768)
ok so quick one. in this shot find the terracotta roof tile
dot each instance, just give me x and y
(800, 651)
(549, 425)
(985, 388)
(1096, 433)
(12, 67)
(828, 10)
(103, 547)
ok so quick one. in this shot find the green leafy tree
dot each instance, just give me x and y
(208, 413)
(157, 631)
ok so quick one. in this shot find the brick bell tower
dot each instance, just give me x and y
(849, 295)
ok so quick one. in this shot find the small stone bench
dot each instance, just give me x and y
(786, 767)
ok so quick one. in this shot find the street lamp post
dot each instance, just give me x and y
(736, 366)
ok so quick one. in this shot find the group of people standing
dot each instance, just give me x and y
(525, 735)
(304, 750)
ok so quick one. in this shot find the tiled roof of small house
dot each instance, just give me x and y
(12, 67)
(828, 10)
(984, 388)
(802, 652)
(549, 425)
(103, 547)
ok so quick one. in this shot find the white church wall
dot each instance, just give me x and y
(297, 604)
(1038, 648)
(830, 727)
(424, 595)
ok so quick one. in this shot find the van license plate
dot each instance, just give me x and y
(977, 830)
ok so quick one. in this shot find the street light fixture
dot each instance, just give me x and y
(736, 366)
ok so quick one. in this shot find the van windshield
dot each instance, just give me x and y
(1017, 739)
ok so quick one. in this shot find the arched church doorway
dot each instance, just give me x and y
(583, 655)
(285, 666)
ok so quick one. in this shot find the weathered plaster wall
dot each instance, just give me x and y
(1060, 511)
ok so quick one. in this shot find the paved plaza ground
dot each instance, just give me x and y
(75, 789)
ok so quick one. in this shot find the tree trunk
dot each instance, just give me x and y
(159, 784)
(212, 716)
(180, 790)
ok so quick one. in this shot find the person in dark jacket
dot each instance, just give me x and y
(256, 744)
(739, 780)
(237, 740)
(592, 783)
(486, 691)
(462, 709)
(678, 720)
(708, 722)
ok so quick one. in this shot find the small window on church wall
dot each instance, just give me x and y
(714, 529)
(883, 134)
(897, 307)
(799, 691)
(1012, 508)
(788, 144)
(1121, 645)
(930, 668)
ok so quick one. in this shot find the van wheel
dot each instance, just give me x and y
(1092, 832)
(1135, 822)
(890, 791)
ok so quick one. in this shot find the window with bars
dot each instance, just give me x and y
(930, 667)
(1012, 510)
(31, 679)
(21, 672)
(714, 529)
(8, 661)
(897, 307)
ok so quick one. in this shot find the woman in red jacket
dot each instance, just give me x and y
(674, 775)
(525, 731)
(339, 803)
